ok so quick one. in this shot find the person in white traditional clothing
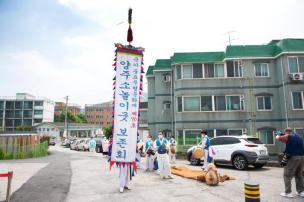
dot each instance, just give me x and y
(124, 171)
(124, 177)
(149, 154)
(205, 147)
(172, 149)
(162, 145)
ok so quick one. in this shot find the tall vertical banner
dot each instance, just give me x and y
(128, 88)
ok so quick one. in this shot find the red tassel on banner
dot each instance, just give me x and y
(134, 166)
(114, 64)
(111, 164)
(130, 35)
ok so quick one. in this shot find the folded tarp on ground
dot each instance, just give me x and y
(184, 171)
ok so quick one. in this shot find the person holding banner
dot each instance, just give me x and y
(149, 154)
(127, 86)
(124, 177)
(124, 170)
(162, 146)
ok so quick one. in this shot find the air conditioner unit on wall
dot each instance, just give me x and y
(297, 76)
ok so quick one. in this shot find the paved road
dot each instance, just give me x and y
(50, 183)
(80, 176)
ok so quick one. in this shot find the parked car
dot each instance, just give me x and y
(74, 143)
(238, 151)
(83, 145)
(52, 141)
(64, 142)
(102, 145)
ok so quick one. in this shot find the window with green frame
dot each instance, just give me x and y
(261, 69)
(179, 104)
(192, 103)
(192, 137)
(180, 137)
(267, 136)
(178, 72)
(187, 71)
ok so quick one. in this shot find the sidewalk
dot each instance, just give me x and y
(23, 171)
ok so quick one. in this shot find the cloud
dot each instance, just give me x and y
(42, 77)
(76, 58)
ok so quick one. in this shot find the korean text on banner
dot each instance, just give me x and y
(126, 106)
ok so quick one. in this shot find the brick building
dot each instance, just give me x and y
(99, 114)
(73, 108)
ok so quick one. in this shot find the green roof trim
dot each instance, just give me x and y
(198, 57)
(291, 45)
(163, 64)
(150, 71)
(249, 51)
(270, 50)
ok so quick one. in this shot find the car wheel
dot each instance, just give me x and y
(194, 161)
(240, 162)
(258, 165)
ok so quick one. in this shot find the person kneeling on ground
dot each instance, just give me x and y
(294, 155)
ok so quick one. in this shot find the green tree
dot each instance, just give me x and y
(79, 118)
(1, 129)
(107, 131)
(24, 128)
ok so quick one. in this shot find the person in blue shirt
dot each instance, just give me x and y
(92, 145)
(149, 154)
(294, 154)
(162, 146)
(139, 148)
(205, 147)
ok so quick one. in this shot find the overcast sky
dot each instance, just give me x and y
(54, 48)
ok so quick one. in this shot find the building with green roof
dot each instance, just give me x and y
(246, 89)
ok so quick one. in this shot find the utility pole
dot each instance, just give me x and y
(66, 116)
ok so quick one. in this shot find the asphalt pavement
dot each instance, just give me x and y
(81, 176)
